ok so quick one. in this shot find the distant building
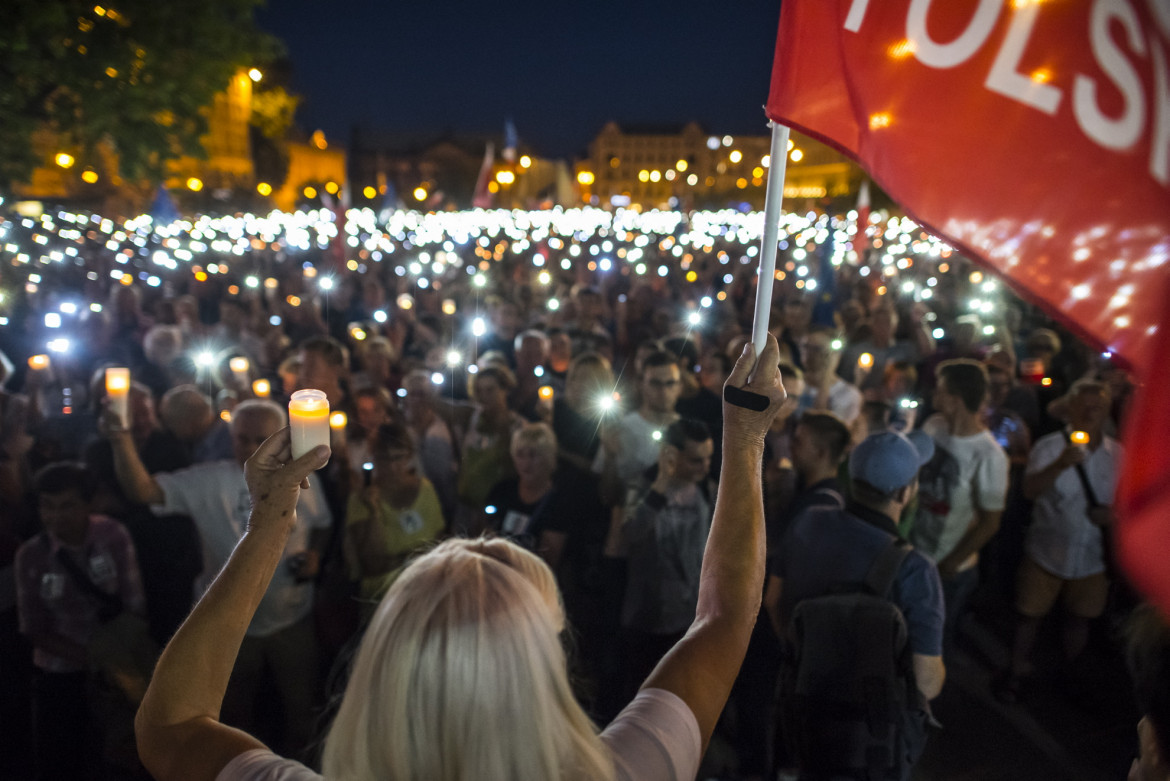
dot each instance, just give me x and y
(441, 171)
(314, 166)
(227, 143)
(687, 167)
(227, 168)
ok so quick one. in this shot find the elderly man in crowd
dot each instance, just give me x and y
(281, 637)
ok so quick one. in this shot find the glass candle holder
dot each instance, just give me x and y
(308, 417)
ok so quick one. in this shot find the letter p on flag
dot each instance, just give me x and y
(1034, 137)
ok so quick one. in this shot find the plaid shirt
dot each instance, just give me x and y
(51, 603)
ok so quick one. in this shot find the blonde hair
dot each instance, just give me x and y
(461, 676)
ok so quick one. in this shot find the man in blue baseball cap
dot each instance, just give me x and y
(830, 550)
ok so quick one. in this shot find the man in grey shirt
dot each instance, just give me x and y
(665, 532)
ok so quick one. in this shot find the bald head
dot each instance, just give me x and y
(186, 412)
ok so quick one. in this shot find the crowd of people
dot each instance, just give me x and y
(555, 380)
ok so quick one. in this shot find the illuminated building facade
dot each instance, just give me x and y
(687, 167)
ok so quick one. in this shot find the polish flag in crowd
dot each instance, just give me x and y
(1035, 137)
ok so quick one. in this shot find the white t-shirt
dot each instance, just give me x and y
(655, 738)
(637, 451)
(216, 497)
(966, 474)
(1061, 538)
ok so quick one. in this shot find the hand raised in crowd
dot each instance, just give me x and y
(761, 377)
(275, 479)
(110, 423)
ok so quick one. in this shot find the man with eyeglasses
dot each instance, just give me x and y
(630, 445)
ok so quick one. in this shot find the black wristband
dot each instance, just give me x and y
(743, 398)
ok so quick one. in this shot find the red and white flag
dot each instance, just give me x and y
(1033, 135)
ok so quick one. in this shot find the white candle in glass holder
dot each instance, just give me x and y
(118, 392)
(308, 416)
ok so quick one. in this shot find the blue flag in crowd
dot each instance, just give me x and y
(163, 208)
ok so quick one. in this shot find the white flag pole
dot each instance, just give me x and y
(773, 200)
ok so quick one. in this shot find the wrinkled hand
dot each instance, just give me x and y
(757, 376)
(110, 423)
(275, 480)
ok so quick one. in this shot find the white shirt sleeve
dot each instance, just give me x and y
(655, 738)
(991, 478)
(260, 764)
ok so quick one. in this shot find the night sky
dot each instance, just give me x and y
(560, 70)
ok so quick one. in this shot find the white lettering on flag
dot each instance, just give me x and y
(1005, 77)
(1124, 131)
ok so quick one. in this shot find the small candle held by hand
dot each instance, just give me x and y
(865, 361)
(1079, 437)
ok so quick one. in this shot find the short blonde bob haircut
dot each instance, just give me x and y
(462, 676)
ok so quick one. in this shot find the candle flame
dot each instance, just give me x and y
(117, 380)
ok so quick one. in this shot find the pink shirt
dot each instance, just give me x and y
(655, 738)
(51, 602)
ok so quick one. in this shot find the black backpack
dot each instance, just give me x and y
(849, 704)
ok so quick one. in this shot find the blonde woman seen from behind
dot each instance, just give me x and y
(461, 674)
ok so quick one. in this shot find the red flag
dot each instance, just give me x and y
(1143, 495)
(1034, 136)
